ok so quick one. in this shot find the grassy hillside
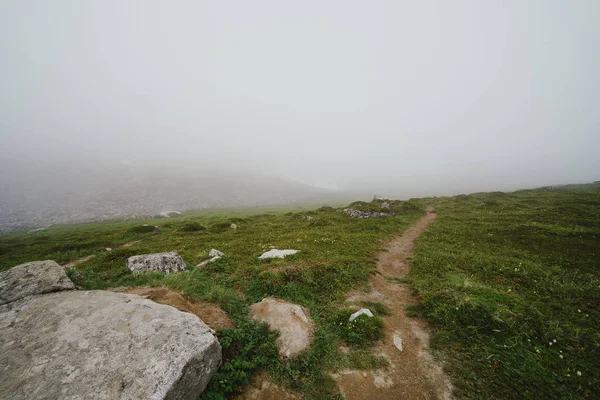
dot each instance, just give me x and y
(511, 282)
(336, 254)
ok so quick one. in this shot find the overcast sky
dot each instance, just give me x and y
(431, 96)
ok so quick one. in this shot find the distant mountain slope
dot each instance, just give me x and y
(32, 196)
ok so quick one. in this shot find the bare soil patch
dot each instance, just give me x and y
(129, 244)
(78, 261)
(263, 389)
(210, 313)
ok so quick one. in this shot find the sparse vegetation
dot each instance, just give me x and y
(359, 332)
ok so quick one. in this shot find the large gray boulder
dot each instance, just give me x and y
(165, 262)
(103, 345)
(32, 278)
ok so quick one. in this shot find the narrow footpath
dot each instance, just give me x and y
(412, 373)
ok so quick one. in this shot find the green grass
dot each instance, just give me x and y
(336, 255)
(511, 283)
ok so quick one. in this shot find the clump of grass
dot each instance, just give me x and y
(246, 348)
(191, 227)
(141, 229)
(359, 332)
(219, 227)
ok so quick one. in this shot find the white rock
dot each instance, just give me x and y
(233, 226)
(215, 253)
(208, 260)
(108, 249)
(362, 311)
(398, 341)
(277, 253)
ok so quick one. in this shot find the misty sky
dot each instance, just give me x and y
(431, 96)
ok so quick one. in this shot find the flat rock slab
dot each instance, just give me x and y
(163, 262)
(277, 253)
(33, 278)
(291, 320)
(103, 345)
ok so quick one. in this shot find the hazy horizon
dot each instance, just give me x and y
(403, 99)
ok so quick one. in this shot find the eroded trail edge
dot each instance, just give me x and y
(412, 372)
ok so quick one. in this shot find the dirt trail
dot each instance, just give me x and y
(412, 373)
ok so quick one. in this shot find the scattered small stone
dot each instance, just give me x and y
(233, 226)
(362, 311)
(398, 341)
(108, 249)
(308, 217)
(215, 253)
(214, 256)
(166, 262)
(274, 253)
(385, 205)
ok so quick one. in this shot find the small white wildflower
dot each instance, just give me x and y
(554, 340)
(550, 343)
(578, 373)
(537, 350)
(578, 310)
(561, 356)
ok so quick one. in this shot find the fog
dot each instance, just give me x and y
(397, 98)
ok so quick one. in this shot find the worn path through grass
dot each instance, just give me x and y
(411, 373)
